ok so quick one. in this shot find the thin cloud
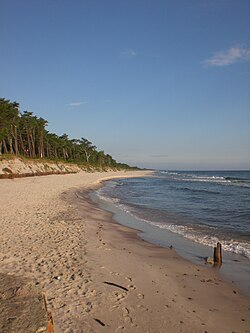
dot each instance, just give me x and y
(77, 103)
(128, 54)
(231, 56)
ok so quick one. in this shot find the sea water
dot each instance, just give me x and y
(187, 208)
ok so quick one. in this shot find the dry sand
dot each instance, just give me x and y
(99, 276)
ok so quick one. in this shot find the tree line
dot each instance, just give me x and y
(24, 134)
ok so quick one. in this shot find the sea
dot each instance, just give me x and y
(189, 210)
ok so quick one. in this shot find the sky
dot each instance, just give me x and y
(159, 84)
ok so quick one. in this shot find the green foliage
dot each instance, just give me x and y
(25, 135)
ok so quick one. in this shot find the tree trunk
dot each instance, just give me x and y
(65, 154)
(33, 145)
(10, 143)
(5, 150)
(87, 156)
(24, 150)
(29, 144)
(40, 144)
(16, 141)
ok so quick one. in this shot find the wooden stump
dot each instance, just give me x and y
(217, 255)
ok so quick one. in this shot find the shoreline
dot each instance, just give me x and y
(96, 272)
(179, 274)
(235, 268)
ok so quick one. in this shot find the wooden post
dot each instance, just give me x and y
(49, 317)
(217, 255)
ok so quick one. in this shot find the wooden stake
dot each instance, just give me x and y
(217, 255)
(49, 316)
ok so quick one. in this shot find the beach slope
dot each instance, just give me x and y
(98, 276)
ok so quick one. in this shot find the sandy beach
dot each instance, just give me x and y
(97, 275)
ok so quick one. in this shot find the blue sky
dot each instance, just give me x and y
(162, 84)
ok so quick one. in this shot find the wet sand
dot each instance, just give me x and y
(235, 268)
(97, 275)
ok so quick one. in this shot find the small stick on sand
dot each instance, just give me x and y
(99, 321)
(115, 285)
(49, 316)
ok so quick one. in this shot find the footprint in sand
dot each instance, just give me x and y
(128, 278)
(120, 328)
(113, 308)
(114, 273)
(131, 287)
(127, 318)
(140, 296)
(115, 296)
(142, 307)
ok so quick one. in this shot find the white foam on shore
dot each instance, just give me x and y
(235, 246)
(187, 231)
(106, 198)
(231, 245)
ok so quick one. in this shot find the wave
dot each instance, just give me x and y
(114, 183)
(224, 208)
(223, 180)
(235, 246)
(169, 172)
(212, 179)
(106, 198)
(220, 181)
(237, 179)
(197, 190)
(232, 245)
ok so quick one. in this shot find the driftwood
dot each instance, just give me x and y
(99, 322)
(50, 318)
(217, 255)
(116, 285)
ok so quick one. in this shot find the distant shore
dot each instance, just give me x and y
(97, 275)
